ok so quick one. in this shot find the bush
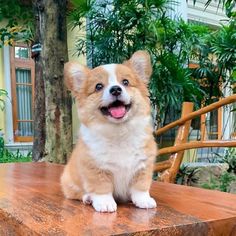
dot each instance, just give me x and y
(230, 159)
(116, 29)
(222, 184)
(186, 176)
(3, 95)
(6, 156)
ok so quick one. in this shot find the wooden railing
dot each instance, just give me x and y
(170, 168)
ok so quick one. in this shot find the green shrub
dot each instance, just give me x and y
(186, 176)
(6, 156)
(212, 184)
(222, 184)
(115, 31)
(230, 158)
(3, 95)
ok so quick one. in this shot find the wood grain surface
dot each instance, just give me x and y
(31, 203)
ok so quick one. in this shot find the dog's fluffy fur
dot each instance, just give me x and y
(113, 159)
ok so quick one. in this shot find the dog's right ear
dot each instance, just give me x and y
(74, 75)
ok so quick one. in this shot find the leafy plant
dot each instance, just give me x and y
(220, 69)
(212, 184)
(7, 156)
(3, 94)
(222, 184)
(20, 26)
(230, 158)
(227, 177)
(116, 29)
(187, 176)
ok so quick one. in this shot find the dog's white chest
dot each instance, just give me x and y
(122, 155)
(123, 161)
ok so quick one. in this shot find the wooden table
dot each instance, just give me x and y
(31, 203)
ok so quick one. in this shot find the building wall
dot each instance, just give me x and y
(178, 9)
(71, 40)
(2, 86)
(212, 15)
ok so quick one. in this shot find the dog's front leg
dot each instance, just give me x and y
(102, 202)
(99, 189)
(140, 190)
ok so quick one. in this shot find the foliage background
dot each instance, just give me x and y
(19, 24)
(116, 30)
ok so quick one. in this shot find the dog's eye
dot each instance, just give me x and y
(125, 82)
(99, 87)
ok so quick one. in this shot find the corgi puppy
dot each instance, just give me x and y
(114, 157)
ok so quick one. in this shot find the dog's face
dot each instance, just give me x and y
(113, 93)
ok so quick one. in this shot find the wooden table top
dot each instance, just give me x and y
(31, 203)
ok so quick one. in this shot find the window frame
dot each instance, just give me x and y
(21, 63)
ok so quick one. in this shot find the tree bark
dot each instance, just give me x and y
(58, 116)
(39, 97)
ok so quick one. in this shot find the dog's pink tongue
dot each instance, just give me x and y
(117, 112)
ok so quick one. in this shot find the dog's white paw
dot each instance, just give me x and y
(146, 203)
(86, 199)
(103, 202)
(142, 199)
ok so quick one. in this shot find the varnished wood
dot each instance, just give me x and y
(31, 203)
(160, 166)
(213, 106)
(219, 123)
(203, 127)
(23, 139)
(26, 84)
(198, 144)
(176, 158)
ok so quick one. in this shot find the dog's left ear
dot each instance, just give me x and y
(75, 74)
(140, 62)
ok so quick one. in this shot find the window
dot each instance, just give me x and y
(22, 81)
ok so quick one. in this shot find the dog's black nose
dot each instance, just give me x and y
(115, 90)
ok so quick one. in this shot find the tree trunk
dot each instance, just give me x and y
(58, 116)
(39, 97)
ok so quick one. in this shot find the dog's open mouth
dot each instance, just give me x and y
(117, 109)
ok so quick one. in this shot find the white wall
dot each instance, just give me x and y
(178, 9)
(212, 15)
(9, 138)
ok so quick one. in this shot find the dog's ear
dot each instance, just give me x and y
(140, 62)
(74, 75)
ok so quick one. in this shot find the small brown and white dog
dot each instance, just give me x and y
(113, 159)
